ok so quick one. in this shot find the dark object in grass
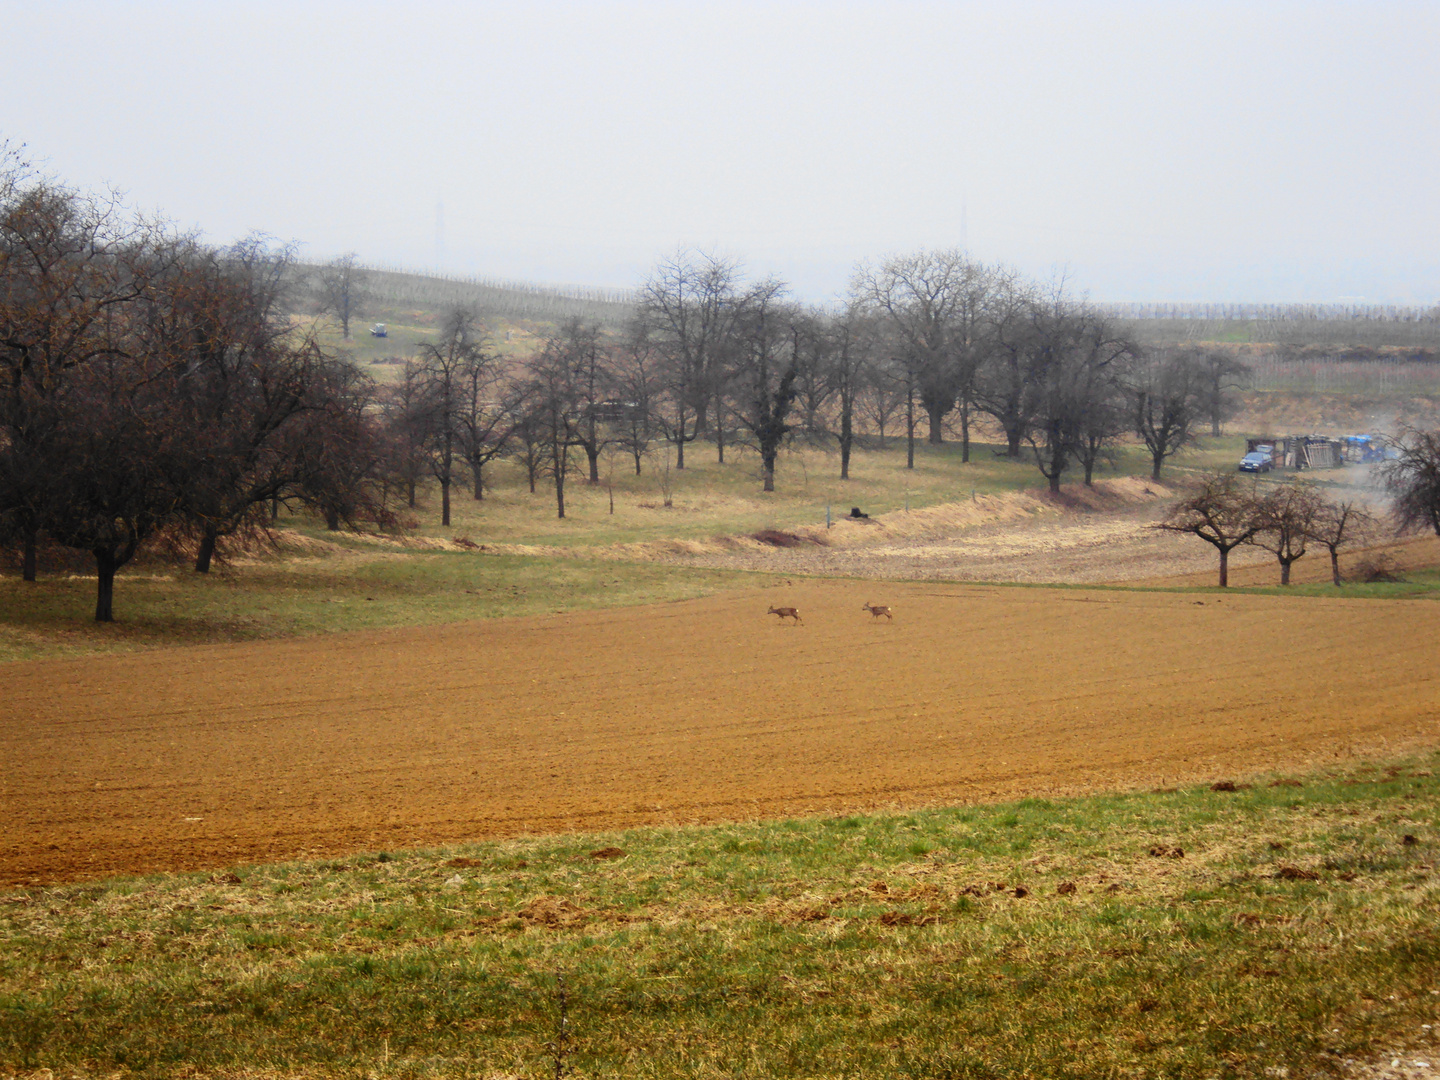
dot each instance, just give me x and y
(225, 879)
(1295, 873)
(1286, 783)
(776, 538)
(1408, 840)
(607, 853)
(465, 862)
(1379, 568)
(855, 512)
(904, 918)
(1021, 892)
(382, 857)
(1065, 888)
(1348, 875)
(1276, 845)
(1160, 851)
(1228, 785)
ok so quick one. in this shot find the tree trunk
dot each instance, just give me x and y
(1157, 459)
(719, 431)
(965, 432)
(28, 560)
(206, 552)
(594, 456)
(910, 431)
(105, 590)
(475, 471)
(1013, 436)
(410, 492)
(937, 421)
(1055, 484)
(332, 520)
(445, 500)
(1089, 472)
(770, 473)
(1224, 568)
(1335, 566)
(1284, 571)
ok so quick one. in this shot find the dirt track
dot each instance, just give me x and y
(684, 712)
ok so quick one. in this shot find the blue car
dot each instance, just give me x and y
(1257, 461)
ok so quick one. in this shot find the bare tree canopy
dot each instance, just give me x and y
(1168, 391)
(936, 304)
(1221, 511)
(152, 383)
(686, 308)
(1340, 525)
(343, 288)
(1286, 521)
(1413, 478)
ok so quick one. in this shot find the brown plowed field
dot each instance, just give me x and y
(697, 711)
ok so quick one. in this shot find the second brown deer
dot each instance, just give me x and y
(876, 610)
(784, 612)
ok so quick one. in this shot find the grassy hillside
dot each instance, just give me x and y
(318, 581)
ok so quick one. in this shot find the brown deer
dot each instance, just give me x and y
(876, 610)
(793, 613)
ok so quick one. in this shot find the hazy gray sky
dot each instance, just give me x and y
(1196, 151)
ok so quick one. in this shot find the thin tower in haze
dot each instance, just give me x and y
(439, 233)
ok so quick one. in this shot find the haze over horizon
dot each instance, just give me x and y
(1172, 151)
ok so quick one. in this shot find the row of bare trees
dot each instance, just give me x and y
(1227, 510)
(709, 355)
(152, 384)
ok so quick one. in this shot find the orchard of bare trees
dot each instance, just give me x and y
(152, 384)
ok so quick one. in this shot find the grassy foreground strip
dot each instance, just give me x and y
(1194, 933)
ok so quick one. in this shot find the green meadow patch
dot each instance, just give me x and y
(1265, 930)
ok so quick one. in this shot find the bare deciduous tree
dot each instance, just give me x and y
(1341, 525)
(1167, 404)
(1413, 479)
(1220, 374)
(446, 365)
(1221, 512)
(765, 370)
(343, 288)
(1285, 517)
(686, 308)
(935, 302)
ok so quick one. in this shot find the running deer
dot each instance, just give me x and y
(793, 613)
(876, 610)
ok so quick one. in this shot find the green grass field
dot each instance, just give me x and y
(1191, 933)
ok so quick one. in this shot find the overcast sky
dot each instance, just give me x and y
(1148, 151)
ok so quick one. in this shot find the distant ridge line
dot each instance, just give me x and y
(586, 293)
(1215, 312)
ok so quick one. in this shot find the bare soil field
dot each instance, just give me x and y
(694, 711)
